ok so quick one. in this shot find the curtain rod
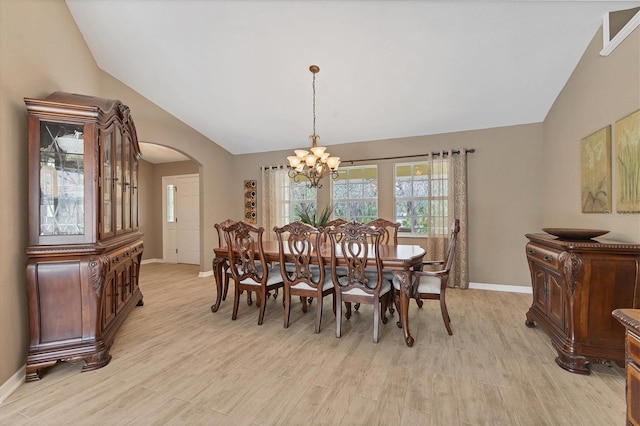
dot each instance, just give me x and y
(279, 166)
(433, 154)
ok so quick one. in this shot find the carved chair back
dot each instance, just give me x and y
(246, 259)
(304, 264)
(329, 225)
(219, 226)
(389, 230)
(358, 246)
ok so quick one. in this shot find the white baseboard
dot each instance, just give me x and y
(152, 261)
(500, 287)
(205, 274)
(14, 382)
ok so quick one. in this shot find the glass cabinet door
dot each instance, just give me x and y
(106, 160)
(118, 180)
(61, 179)
(134, 193)
(126, 190)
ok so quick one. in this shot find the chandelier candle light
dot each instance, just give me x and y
(318, 163)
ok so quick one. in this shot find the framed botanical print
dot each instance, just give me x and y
(627, 134)
(595, 168)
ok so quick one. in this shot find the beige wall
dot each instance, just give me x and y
(601, 90)
(38, 41)
(504, 193)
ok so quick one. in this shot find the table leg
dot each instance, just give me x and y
(218, 263)
(405, 295)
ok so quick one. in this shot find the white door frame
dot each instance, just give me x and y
(167, 180)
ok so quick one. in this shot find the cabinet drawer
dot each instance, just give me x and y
(120, 256)
(543, 255)
(633, 347)
(137, 249)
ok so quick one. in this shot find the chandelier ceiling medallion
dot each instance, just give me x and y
(318, 163)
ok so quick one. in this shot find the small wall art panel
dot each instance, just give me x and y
(595, 161)
(250, 201)
(627, 134)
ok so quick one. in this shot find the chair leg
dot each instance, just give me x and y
(236, 301)
(445, 315)
(385, 303)
(396, 301)
(249, 300)
(338, 314)
(376, 320)
(287, 306)
(333, 296)
(225, 286)
(348, 314)
(357, 307)
(304, 304)
(319, 314)
(263, 304)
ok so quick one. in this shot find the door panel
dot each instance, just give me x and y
(188, 214)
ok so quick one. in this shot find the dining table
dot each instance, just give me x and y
(401, 259)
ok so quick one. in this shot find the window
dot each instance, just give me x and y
(170, 203)
(421, 197)
(292, 198)
(355, 194)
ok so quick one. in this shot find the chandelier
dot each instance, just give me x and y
(318, 163)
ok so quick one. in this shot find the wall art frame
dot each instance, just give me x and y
(250, 203)
(627, 142)
(595, 172)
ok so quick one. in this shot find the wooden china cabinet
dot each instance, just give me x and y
(84, 252)
(576, 286)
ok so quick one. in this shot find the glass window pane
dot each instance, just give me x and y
(170, 204)
(415, 186)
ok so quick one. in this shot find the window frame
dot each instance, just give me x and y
(429, 230)
(363, 200)
(287, 200)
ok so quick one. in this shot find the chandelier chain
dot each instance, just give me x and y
(314, 104)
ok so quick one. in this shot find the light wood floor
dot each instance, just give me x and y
(176, 362)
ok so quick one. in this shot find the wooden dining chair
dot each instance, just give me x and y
(248, 265)
(329, 225)
(302, 268)
(389, 237)
(225, 265)
(433, 284)
(363, 283)
(389, 230)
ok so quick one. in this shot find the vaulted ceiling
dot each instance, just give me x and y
(237, 71)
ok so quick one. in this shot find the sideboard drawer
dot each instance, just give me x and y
(543, 255)
(633, 346)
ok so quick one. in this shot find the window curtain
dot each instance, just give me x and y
(454, 189)
(274, 189)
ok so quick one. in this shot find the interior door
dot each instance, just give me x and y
(188, 219)
(181, 219)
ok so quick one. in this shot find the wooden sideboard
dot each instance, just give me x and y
(630, 319)
(576, 286)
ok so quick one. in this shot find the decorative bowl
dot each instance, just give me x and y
(574, 233)
(71, 144)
